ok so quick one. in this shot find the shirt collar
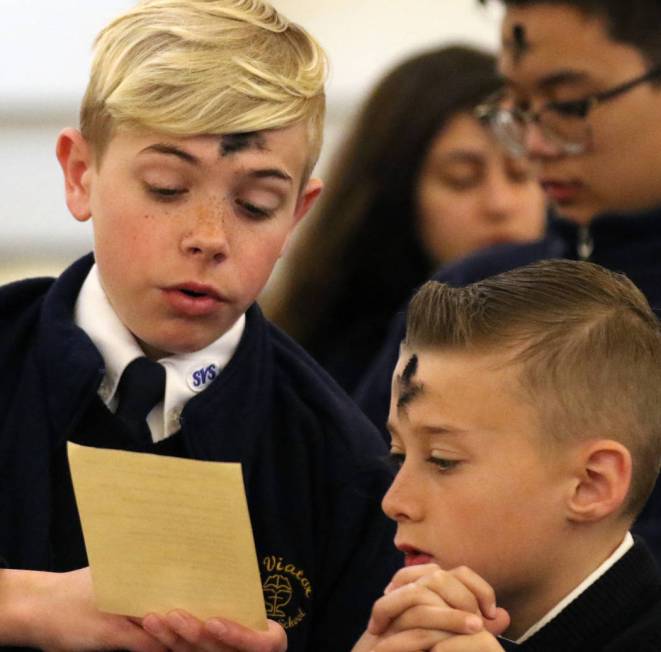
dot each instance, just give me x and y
(619, 552)
(186, 374)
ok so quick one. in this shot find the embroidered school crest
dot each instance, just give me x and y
(286, 591)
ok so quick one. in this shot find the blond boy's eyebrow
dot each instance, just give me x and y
(173, 150)
(269, 173)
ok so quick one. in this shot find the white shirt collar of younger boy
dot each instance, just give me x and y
(185, 374)
(619, 552)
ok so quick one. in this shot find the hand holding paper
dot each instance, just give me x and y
(167, 533)
(181, 632)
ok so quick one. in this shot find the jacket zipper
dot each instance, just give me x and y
(585, 245)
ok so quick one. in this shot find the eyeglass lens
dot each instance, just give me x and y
(570, 134)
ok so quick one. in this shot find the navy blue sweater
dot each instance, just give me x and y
(312, 463)
(624, 243)
(620, 612)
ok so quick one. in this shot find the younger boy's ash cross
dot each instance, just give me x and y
(407, 388)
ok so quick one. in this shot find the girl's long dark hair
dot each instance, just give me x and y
(360, 258)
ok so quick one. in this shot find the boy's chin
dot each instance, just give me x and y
(162, 349)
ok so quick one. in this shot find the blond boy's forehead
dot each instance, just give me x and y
(285, 152)
(199, 67)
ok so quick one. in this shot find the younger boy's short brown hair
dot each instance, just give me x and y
(588, 343)
(192, 67)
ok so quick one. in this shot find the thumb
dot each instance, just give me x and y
(499, 624)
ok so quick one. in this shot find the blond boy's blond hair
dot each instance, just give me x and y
(191, 67)
(587, 342)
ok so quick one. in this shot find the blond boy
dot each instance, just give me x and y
(199, 131)
(526, 424)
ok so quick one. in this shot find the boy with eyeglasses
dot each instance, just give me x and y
(582, 98)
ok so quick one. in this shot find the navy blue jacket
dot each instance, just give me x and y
(620, 612)
(622, 243)
(313, 465)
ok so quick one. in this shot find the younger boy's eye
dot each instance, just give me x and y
(443, 463)
(396, 459)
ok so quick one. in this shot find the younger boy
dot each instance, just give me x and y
(200, 127)
(526, 425)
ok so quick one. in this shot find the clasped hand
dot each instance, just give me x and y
(427, 608)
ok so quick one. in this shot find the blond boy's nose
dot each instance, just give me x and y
(207, 238)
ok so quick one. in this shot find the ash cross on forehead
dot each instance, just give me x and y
(233, 143)
(406, 387)
(518, 43)
(521, 44)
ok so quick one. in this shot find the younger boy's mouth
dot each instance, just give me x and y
(415, 557)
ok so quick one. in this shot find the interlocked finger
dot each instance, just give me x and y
(453, 621)
(395, 603)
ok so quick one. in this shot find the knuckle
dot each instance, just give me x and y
(400, 575)
(463, 571)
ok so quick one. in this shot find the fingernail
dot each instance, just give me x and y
(176, 620)
(474, 624)
(151, 624)
(370, 626)
(216, 627)
(491, 611)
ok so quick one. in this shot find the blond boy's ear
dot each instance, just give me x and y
(601, 481)
(305, 202)
(75, 157)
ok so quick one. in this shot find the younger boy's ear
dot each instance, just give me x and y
(75, 157)
(601, 481)
(305, 202)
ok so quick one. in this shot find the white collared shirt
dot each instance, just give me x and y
(186, 374)
(619, 552)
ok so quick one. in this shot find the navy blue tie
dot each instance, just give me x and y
(140, 389)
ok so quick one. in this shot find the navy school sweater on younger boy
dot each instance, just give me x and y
(620, 612)
(313, 465)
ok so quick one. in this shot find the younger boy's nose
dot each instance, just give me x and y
(402, 502)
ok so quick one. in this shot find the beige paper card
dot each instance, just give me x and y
(163, 533)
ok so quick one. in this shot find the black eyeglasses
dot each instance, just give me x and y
(562, 123)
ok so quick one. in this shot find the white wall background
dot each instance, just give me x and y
(44, 59)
